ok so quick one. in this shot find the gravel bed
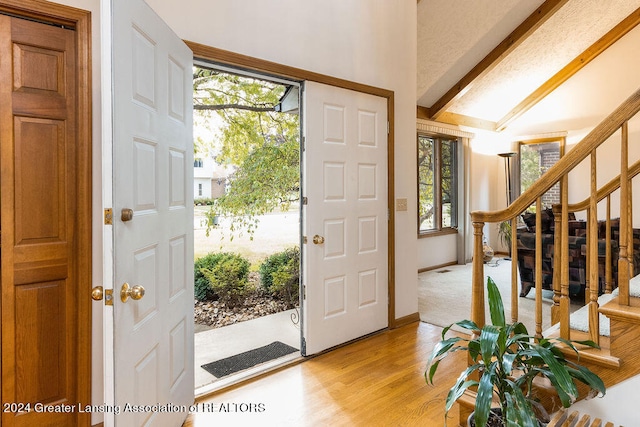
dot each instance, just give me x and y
(215, 314)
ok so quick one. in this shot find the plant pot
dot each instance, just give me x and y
(495, 419)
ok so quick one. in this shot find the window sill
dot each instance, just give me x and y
(434, 233)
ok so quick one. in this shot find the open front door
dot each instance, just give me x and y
(346, 218)
(153, 218)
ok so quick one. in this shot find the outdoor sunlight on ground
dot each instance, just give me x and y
(276, 231)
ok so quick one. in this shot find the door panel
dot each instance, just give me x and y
(44, 298)
(345, 219)
(153, 159)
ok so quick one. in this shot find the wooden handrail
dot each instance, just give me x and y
(589, 143)
(559, 173)
(604, 191)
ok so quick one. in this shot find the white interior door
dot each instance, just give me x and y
(152, 176)
(345, 219)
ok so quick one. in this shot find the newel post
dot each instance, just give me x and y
(477, 277)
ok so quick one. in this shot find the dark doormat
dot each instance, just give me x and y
(248, 359)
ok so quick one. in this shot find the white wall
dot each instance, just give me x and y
(206, 188)
(617, 406)
(608, 167)
(365, 41)
(435, 251)
(487, 188)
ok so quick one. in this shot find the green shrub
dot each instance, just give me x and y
(222, 276)
(202, 290)
(203, 201)
(280, 275)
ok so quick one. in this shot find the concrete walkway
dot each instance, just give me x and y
(219, 343)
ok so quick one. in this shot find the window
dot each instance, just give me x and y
(197, 163)
(535, 158)
(437, 183)
(200, 190)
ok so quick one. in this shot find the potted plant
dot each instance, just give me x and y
(504, 233)
(507, 359)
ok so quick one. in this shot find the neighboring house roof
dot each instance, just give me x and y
(500, 64)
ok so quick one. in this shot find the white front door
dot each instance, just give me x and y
(152, 176)
(345, 219)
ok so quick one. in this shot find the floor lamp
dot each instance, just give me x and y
(507, 177)
(507, 174)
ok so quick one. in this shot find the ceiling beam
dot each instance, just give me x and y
(626, 25)
(513, 40)
(456, 119)
(423, 113)
(462, 120)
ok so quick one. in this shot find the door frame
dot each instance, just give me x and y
(80, 21)
(227, 58)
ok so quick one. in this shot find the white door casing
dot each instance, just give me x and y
(345, 277)
(152, 175)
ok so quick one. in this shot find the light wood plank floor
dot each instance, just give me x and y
(378, 381)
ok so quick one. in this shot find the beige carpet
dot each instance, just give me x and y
(444, 295)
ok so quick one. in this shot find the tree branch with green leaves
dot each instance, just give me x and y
(260, 145)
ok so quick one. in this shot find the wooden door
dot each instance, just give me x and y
(345, 218)
(45, 228)
(152, 96)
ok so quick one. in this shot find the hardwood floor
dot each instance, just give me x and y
(378, 381)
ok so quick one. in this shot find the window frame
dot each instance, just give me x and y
(516, 172)
(438, 228)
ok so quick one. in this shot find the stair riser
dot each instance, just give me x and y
(625, 341)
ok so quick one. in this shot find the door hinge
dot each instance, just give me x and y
(388, 127)
(304, 292)
(303, 142)
(304, 240)
(303, 346)
(108, 216)
(305, 201)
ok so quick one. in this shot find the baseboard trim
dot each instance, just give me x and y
(403, 321)
(435, 267)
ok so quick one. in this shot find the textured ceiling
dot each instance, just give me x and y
(446, 53)
(454, 35)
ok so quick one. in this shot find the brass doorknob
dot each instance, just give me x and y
(126, 214)
(97, 293)
(318, 240)
(134, 292)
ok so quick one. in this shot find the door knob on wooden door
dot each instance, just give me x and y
(97, 293)
(134, 292)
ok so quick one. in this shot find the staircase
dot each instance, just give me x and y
(565, 419)
(619, 355)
